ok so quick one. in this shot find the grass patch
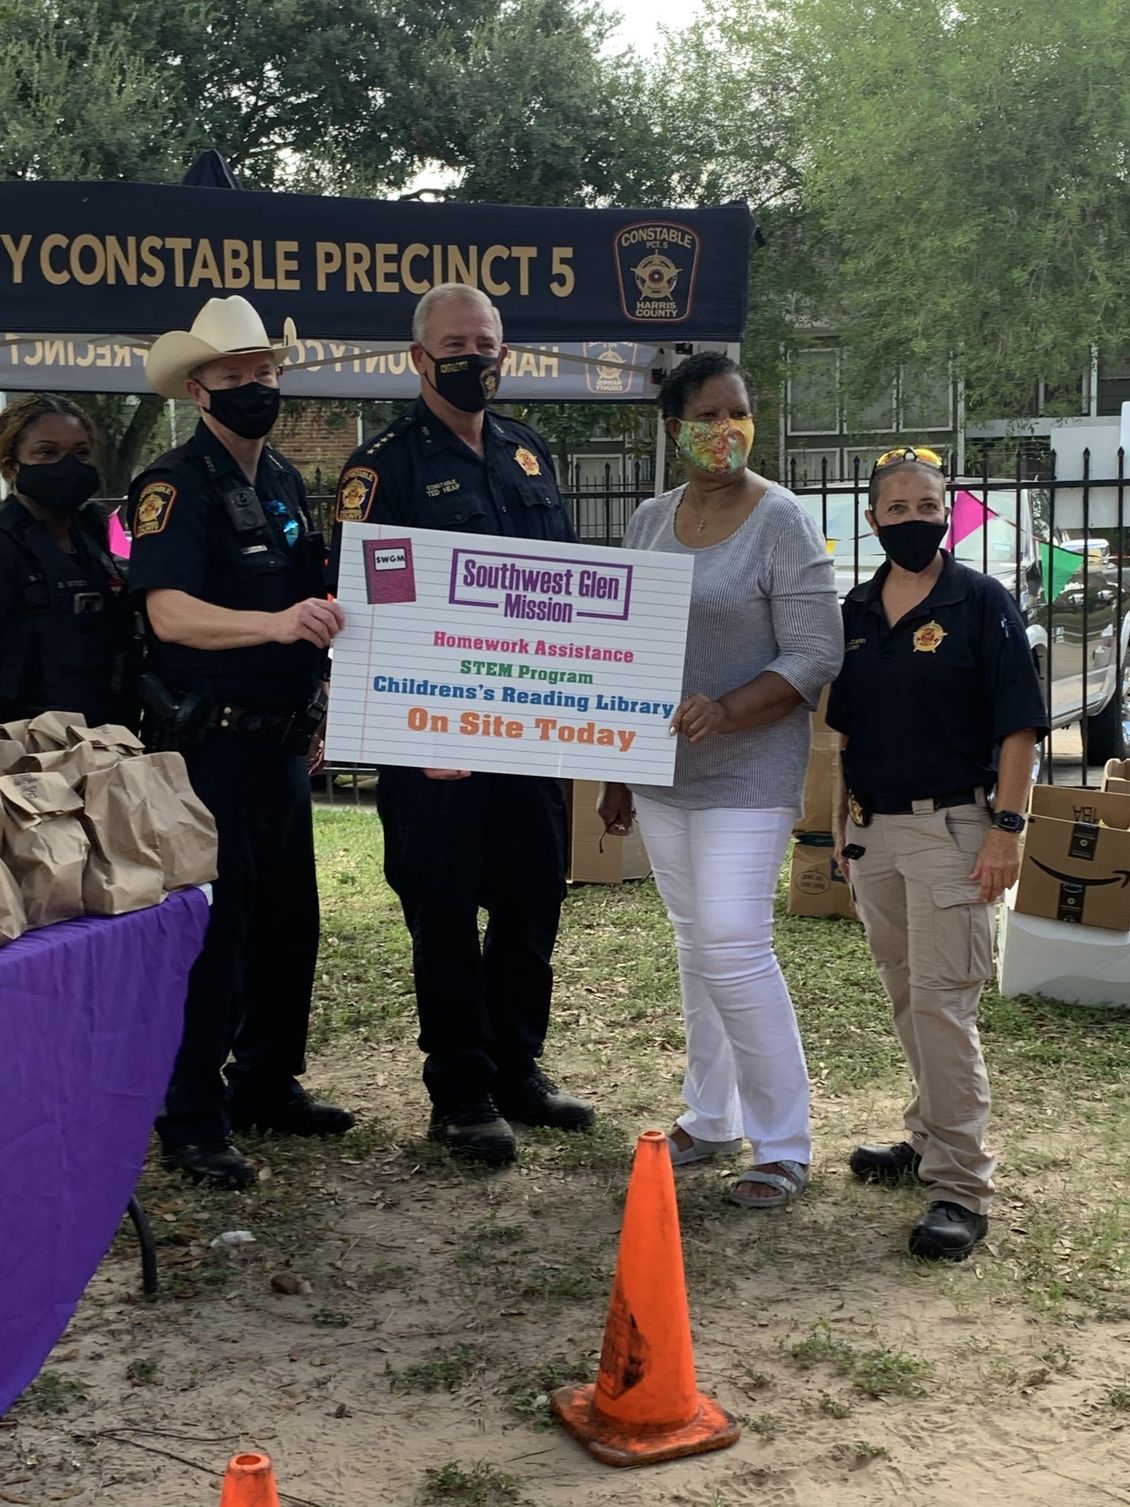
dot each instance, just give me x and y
(52, 1392)
(441, 1371)
(478, 1485)
(880, 1372)
(528, 1393)
(833, 1407)
(141, 1373)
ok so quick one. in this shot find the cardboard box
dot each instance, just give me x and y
(1076, 864)
(622, 858)
(1080, 965)
(819, 780)
(1116, 776)
(816, 886)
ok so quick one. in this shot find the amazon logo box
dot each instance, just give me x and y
(1076, 863)
(1116, 776)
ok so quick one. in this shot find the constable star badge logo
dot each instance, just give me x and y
(355, 494)
(153, 508)
(928, 637)
(656, 265)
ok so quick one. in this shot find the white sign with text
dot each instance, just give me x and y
(506, 655)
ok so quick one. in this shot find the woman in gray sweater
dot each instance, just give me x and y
(765, 635)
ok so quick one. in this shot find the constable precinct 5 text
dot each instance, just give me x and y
(232, 265)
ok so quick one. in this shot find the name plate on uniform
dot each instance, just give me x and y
(464, 651)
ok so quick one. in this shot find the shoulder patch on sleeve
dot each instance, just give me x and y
(154, 506)
(355, 493)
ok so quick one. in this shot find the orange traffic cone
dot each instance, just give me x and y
(250, 1482)
(644, 1406)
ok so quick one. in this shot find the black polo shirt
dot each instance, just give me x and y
(185, 539)
(419, 474)
(925, 704)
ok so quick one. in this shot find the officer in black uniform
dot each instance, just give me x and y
(456, 841)
(939, 708)
(67, 639)
(239, 623)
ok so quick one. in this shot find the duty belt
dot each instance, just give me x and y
(861, 808)
(272, 727)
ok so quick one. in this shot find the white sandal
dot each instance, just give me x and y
(700, 1151)
(789, 1184)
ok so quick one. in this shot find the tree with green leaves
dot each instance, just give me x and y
(969, 164)
(512, 99)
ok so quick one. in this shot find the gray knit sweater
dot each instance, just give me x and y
(763, 599)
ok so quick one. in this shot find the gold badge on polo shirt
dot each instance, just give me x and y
(528, 461)
(928, 637)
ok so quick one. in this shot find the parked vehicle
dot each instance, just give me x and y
(1080, 638)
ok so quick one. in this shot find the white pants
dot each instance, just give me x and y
(717, 871)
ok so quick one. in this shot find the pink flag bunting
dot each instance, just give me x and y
(969, 514)
(119, 539)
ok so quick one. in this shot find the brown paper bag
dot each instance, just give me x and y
(186, 829)
(14, 732)
(10, 755)
(72, 763)
(124, 870)
(13, 917)
(44, 844)
(49, 730)
(107, 736)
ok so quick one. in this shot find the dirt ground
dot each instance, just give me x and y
(442, 1304)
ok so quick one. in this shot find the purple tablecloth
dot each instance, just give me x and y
(90, 1021)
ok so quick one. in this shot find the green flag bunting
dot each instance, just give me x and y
(1059, 566)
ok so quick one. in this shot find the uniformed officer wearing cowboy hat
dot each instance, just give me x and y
(232, 578)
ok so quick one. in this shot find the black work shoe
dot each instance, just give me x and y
(947, 1232)
(534, 1099)
(218, 1164)
(474, 1129)
(298, 1116)
(885, 1164)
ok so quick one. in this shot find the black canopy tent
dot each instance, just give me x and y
(596, 303)
(90, 273)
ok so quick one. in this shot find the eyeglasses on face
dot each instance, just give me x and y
(909, 452)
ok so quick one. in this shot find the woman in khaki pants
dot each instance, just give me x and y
(939, 708)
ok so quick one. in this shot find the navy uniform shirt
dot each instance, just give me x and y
(66, 625)
(925, 704)
(185, 539)
(418, 473)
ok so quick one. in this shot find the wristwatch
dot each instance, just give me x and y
(1009, 821)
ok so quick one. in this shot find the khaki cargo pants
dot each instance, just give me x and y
(932, 940)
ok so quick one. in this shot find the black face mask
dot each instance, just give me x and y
(466, 382)
(912, 544)
(249, 411)
(60, 486)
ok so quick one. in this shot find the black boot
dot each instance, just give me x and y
(217, 1163)
(299, 1115)
(885, 1164)
(534, 1099)
(947, 1232)
(474, 1129)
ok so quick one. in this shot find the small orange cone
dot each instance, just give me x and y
(250, 1482)
(644, 1406)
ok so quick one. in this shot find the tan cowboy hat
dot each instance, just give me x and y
(224, 327)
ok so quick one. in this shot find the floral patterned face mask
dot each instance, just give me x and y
(719, 447)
